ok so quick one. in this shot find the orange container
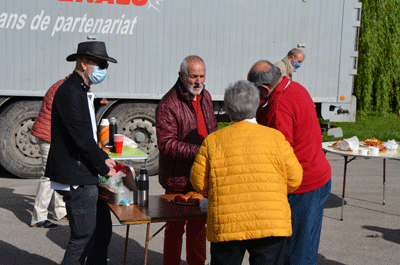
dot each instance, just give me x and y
(104, 132)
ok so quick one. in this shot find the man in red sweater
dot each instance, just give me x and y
(287, 106)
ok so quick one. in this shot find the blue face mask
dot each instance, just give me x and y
(98, 75)
(296, 65)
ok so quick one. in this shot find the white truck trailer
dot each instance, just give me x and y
(150, 38)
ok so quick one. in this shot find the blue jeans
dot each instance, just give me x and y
(307, 212)
(263, 251)
(90, 224)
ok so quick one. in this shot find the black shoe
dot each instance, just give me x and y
(45, 224)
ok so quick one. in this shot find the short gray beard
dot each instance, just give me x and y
(190, 88)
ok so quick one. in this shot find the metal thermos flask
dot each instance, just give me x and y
(113, 130)
(143, 188)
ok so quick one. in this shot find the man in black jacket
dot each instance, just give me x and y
(75, 160)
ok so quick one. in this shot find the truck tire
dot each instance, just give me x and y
(137, 121)
(17, 154)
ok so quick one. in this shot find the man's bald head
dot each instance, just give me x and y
(189, 61)
(264, 73)
(296, 54)
(264, 66)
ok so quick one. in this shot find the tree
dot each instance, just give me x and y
(378, 76)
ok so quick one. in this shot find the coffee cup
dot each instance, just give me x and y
(373, 150)
(118, 143)
(363, 151)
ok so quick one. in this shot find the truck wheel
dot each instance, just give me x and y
(17, 154)
(137, 121)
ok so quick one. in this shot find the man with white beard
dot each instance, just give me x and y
(184, 117)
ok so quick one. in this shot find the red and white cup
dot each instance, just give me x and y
(118, 143)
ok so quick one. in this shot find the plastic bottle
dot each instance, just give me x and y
(104, 132)
(143, 188)
(113, 130)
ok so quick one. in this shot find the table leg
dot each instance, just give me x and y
(147, 243)
(158, 231)
(126, 244)
(384, 181)
(344, 185)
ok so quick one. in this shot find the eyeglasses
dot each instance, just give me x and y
(101, 63)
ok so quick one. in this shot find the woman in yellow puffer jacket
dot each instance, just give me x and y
(246, 170)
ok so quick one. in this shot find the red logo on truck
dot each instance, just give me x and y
(118, 2)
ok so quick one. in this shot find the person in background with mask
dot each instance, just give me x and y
(291, 62)
(75, 160)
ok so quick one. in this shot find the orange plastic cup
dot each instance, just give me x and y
(118, 143)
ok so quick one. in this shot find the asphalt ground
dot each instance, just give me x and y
(369, 233)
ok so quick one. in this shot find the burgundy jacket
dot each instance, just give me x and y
(177, 136)
(42, 125)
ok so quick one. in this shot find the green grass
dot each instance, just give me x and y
(384, 128)
(222, 125)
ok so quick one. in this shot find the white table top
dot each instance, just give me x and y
(390, 154)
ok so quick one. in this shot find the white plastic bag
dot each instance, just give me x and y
(129, 142)
(391, 145)
(122, 189)
(114, 183)
(350, 144)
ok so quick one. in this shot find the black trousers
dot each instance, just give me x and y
(263, 251)
(90, 224)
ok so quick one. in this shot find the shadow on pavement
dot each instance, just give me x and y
(60, 236)
(323, 261)
(10, 254)
(334, 201)
(135, 252)
(364, 200)
(19, 204)
(392, 235)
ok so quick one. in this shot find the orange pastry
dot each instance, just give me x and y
(337, 143)
(181, 198)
